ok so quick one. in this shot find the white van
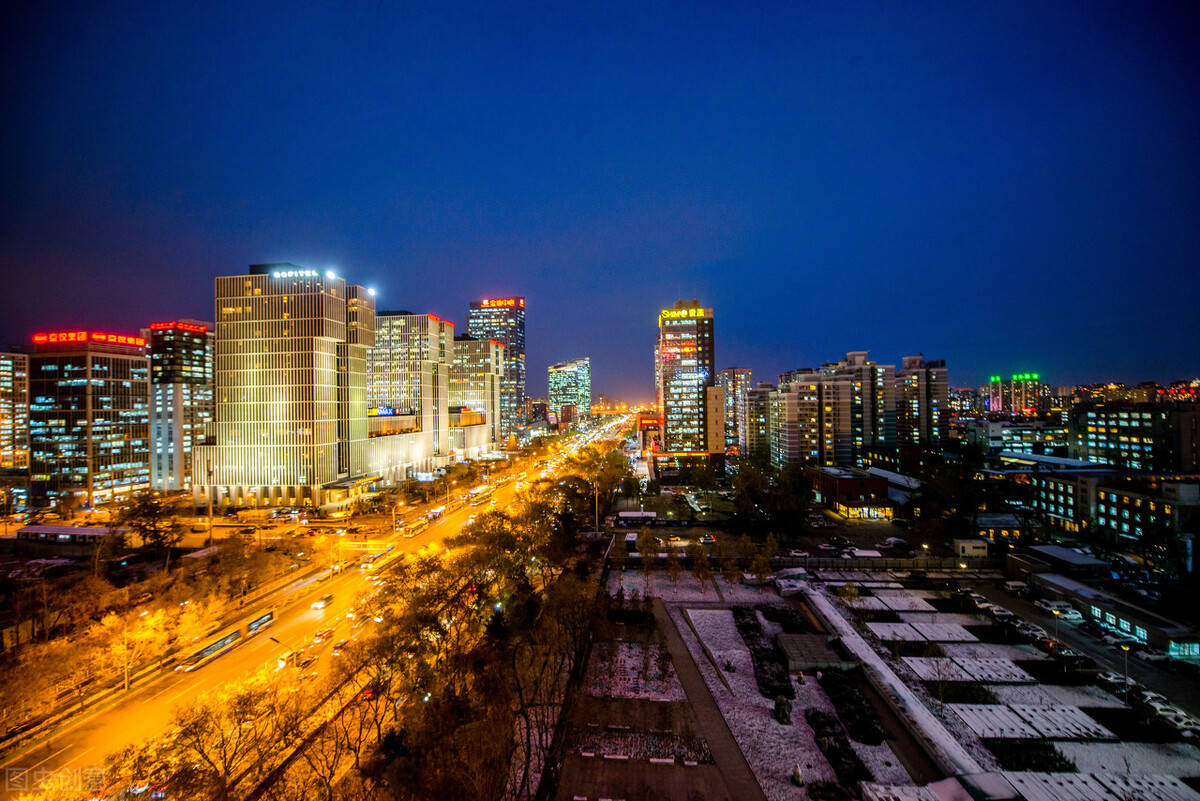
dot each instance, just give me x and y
(1016, 587)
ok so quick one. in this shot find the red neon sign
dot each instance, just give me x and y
(84, 336)
(198, 329)
(497, 303)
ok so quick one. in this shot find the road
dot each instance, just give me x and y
(1182, 691)
(146, 712)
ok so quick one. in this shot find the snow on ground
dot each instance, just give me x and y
(989, 650)
(770, 748)
(623, 669)
(1033, 694)
(941, 617)
(881, 760)
(904, 600)
(1062, 722)
(893, 632)
(907, 698)
(867, 603)
(937, 668)
(993, 720)
(1147, 788)
(944, 632)
(659, 585)
(1175, 759)
(747, 594)
(999, 671)
(770, 628)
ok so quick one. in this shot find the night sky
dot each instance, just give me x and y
(1009, 186)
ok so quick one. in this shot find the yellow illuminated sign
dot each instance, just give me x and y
(681, 314)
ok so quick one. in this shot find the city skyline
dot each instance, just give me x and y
(884, 160)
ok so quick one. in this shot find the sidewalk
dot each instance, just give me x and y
(739, 779)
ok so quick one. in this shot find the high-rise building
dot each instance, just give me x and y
(1022, 394)
(570, 384)
(734, 383)
(409, 373)
(89, 417)
(922, 399)
(795, 422)
(181, 398)
(1163, 437)
(503, 319)
(755, 431)
(290, 365)
(14, 411)
(14, 431)
(858, 400)
(476, 378)
(684, 369)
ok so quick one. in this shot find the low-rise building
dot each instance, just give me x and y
(853, 493)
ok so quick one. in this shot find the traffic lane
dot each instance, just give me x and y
(1181, 690)
(147, 712)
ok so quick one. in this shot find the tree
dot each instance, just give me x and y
(760, 566)
(619, 554)
(154, 521)
(135, 638)
(701, 566)
(647, 545)
(674, 565)
(746, 550)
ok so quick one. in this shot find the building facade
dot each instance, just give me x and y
(290, 368)
(503, 319)
(734, 382)
(1163, 437)
(476, 378)
(570, 384)
(684, 357)
(14, 431)
(754, 442)
(89, 417)
(181, 398)
(795, 422)
(409, 375)
(922, 400)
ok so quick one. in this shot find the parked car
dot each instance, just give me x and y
(798, 554)
(1090, 628)
(1151, 655)
(1117, 680)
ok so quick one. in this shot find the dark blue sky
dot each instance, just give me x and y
(1009, 186)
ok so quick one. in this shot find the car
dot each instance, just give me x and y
(1117, 680)
(1164, 709)
(1148, 696)
(322, 635)
(340, 647)
(322, 602)
(1051, 606)
(305, 659)
(977, 598)
(1090, 628)
(707, 539)
(1150, 655)
(1031, 630)
(1183, 723)
(795, 554)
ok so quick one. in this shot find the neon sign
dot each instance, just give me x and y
(680, 314)
(59, 337)
(499, 303)
(198, 329)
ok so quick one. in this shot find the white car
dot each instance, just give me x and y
(1117, 680)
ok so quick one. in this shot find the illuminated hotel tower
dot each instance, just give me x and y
(503, 319)
(290, 424)
(684, 372)
(570, 384)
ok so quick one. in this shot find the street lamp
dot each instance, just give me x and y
(1056, 615)
(1125, 648)
(395, 506)
(448, 486)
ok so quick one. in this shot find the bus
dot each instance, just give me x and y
(414, 528)
(228, 641)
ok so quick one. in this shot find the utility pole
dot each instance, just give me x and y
(209, 471)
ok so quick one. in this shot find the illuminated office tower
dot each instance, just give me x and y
(181, 398)
(570, 384)
(89, 417)
(14, 411)
(290, 364)
(503, 319)
(476, 378)
(734, 383)
(684, 369)
(410, 375)
(922, 398)
(1024, 394)
(14, 431)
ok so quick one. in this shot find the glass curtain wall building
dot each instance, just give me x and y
(684, 357)
(503, 319)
